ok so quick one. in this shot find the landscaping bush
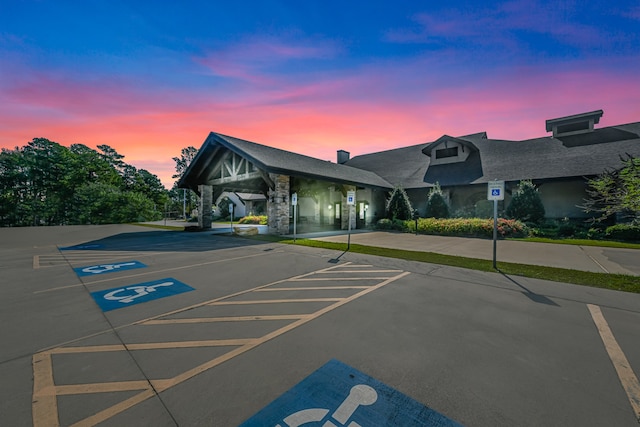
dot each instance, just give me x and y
(398, 205)
(253, 219)
(223, 207)
(468, 227)
(392, 224)
(625, 232)
(436, 205)
(526, 204)
(483, 209)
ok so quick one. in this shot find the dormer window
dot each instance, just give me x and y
(443, 153)
(574, 125)
(448, 149)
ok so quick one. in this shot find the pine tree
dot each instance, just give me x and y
(526, 204)
(436, 205)
(398, 205)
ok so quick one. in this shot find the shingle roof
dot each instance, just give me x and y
(547, 157)
(401, 166)
(274, 160)
(587, 154)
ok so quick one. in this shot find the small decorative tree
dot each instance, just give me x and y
(526, 204)
(436, 204)
(223, 206)
(398, 205)
(616, 192)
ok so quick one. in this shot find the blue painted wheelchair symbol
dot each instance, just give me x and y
(111, 299)
(337, 395)
(93, 270)
(495, 192)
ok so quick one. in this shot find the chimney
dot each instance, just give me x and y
(343, 157)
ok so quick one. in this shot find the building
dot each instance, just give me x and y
(559, 165)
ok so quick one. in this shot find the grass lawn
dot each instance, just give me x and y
(618, 282)
(582, 242)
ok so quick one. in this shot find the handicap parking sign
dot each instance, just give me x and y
(337, 395)
(112, 299)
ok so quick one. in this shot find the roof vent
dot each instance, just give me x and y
(574, 125)
(343, 157)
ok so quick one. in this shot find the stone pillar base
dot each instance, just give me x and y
(204, 207)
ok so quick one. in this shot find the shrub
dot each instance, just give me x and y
(436, 205)
(392, 224)
(398, 205)
(469, 227)
(253, 219)
(223, 207)
(526, 204)
(626, 232)
(483, 209)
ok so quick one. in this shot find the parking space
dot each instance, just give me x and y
(255, 319)
(296, 300)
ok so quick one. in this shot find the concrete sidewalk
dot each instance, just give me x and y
(585, 258)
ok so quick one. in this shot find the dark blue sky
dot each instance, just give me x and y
(149, 78)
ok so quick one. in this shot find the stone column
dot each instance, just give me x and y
(278, 205)
(204, 207)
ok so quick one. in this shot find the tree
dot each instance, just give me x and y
(436, 205)
(45, 183)
(398, 205)
(615, 191)
(223, 207)
(187, 155)
(526, 204)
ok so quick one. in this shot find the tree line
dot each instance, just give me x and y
(45, 183)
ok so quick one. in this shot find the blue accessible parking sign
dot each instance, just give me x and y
(112, 299)
(337, 395)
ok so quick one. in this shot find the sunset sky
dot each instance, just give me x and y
(151, 77)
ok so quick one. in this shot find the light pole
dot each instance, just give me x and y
(184, 203)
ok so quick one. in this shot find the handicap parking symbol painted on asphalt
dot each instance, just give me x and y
(112, 299)
(337, 395)
(94, 270)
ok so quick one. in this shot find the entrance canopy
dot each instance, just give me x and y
(227, 164)
(232, 164)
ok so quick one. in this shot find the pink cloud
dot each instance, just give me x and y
(379, 106)
(251, 58)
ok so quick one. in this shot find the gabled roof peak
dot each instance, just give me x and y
(443, 140)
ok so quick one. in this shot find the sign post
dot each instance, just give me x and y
(294, 203)
(231, 216)
(351, 201)
(495, 192)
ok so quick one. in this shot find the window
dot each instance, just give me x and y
(573, 127)
(447, 152)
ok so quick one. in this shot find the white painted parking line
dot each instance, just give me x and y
(626, 375)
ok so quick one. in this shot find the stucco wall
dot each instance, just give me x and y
(560, 199)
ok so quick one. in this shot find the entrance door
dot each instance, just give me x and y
(362, 208)
(337, 216)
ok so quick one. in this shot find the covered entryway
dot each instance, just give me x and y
(227, 164)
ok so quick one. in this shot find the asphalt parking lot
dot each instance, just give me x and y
(124, 325)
